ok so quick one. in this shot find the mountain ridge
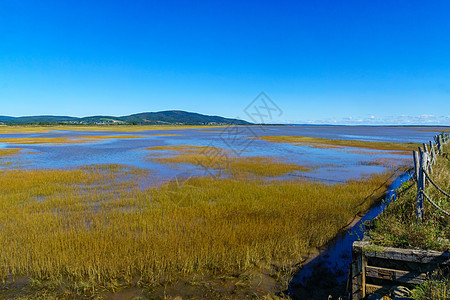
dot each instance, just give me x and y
(168, 117)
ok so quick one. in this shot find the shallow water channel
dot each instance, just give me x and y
(326, 273)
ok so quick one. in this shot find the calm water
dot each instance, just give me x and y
(330, 164)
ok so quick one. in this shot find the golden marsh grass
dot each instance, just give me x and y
(8, 152)
(93, 226)
(6, 156)
(330, 143)
(221, 159)
(65, 139)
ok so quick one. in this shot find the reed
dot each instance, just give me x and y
(8, 152)
(214, 158)
(330, 143)
(65, 139)
(91, 227)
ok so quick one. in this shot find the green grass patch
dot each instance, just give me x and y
(397, 226)
(437, 287)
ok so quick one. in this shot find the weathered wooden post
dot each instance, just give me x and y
(358, 270)
(416, 164)
(429, 164)
(420, 186)
(432, 152)
(425, 149)
(440, 144)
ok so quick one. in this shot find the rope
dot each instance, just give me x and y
(434, 204)
(435, 185)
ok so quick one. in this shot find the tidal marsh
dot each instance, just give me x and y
(322, 142)
(8, 152)
(65, 139)
(6, 156)
(94, 226)
(82, 229)
(221, 159)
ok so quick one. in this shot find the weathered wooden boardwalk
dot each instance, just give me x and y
(378, 269)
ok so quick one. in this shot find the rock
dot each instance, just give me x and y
(400, 292)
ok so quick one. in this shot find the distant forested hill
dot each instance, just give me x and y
(170, 117)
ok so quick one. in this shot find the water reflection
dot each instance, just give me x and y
(328, 164)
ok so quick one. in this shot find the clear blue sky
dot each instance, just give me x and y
(319, 61)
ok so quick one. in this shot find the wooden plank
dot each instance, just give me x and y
(396, 275)
(410, 255)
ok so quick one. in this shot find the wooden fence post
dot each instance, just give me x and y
(416, 165)
(432, 152)
(425, 149)
(420, 186)
(440, 144)
(429, 164)
(358, 273)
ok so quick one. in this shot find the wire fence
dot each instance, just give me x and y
(424, 159)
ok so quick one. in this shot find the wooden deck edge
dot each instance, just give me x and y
(400, 254)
